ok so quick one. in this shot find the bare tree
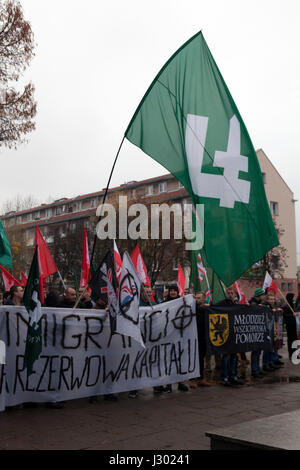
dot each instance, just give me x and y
(19, 203)
(17, 109)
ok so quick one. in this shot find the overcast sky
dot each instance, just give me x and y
(94, 61)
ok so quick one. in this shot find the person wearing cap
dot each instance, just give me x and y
(256, 372)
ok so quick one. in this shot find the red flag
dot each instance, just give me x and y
(240, 293)
(118, 262)
(139, 264)
(47, 264)
(180, 280)
(23, 278)
(8, 279)
(269, 284)
(85, 261)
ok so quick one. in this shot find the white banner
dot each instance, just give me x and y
(80, 357)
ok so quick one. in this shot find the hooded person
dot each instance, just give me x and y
(290, 322)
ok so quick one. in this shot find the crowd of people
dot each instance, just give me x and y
(261, 362)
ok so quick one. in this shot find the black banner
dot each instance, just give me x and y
(239, 328)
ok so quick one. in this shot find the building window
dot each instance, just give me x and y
(93, 202)
(48, 213)
(58, 210)
(180, 185)
(29, 217)
(290, 286)
(264, 177)
(133, 193)
(150, 190)
(274, 208)
(283, 286)
(162, 187)
(72, 227)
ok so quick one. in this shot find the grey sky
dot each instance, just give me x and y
(95, 60)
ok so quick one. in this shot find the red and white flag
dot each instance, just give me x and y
(180, 280)
(240, 293)
(139, 264)
(269, 284)
(118, 262)
(208, 297)
(8, 279)
(23, 278)
(201, 269)
(85, 261)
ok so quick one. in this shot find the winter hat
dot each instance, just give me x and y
(174, 287)
(258, 292)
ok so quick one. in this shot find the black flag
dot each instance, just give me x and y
(104, 286)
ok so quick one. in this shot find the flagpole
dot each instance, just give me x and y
(282, 295)
(102, 205)
(60, 276)
(104, 198)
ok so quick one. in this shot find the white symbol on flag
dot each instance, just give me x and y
(227, 187)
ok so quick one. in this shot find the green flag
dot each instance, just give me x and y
(188, 122)
(5, 253)
(32, 302)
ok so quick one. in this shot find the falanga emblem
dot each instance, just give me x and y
(218, 328)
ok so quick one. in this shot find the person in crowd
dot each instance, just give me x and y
(165, 294)
(256, 372)
(229, 361)
(68, 299)
(16, 294)
(200, 318)
(53, 298)
(173, 293)
(145, 297)
(270, 358)
(85, 301)
(186, 291)
(5, 296)
(289, 319)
